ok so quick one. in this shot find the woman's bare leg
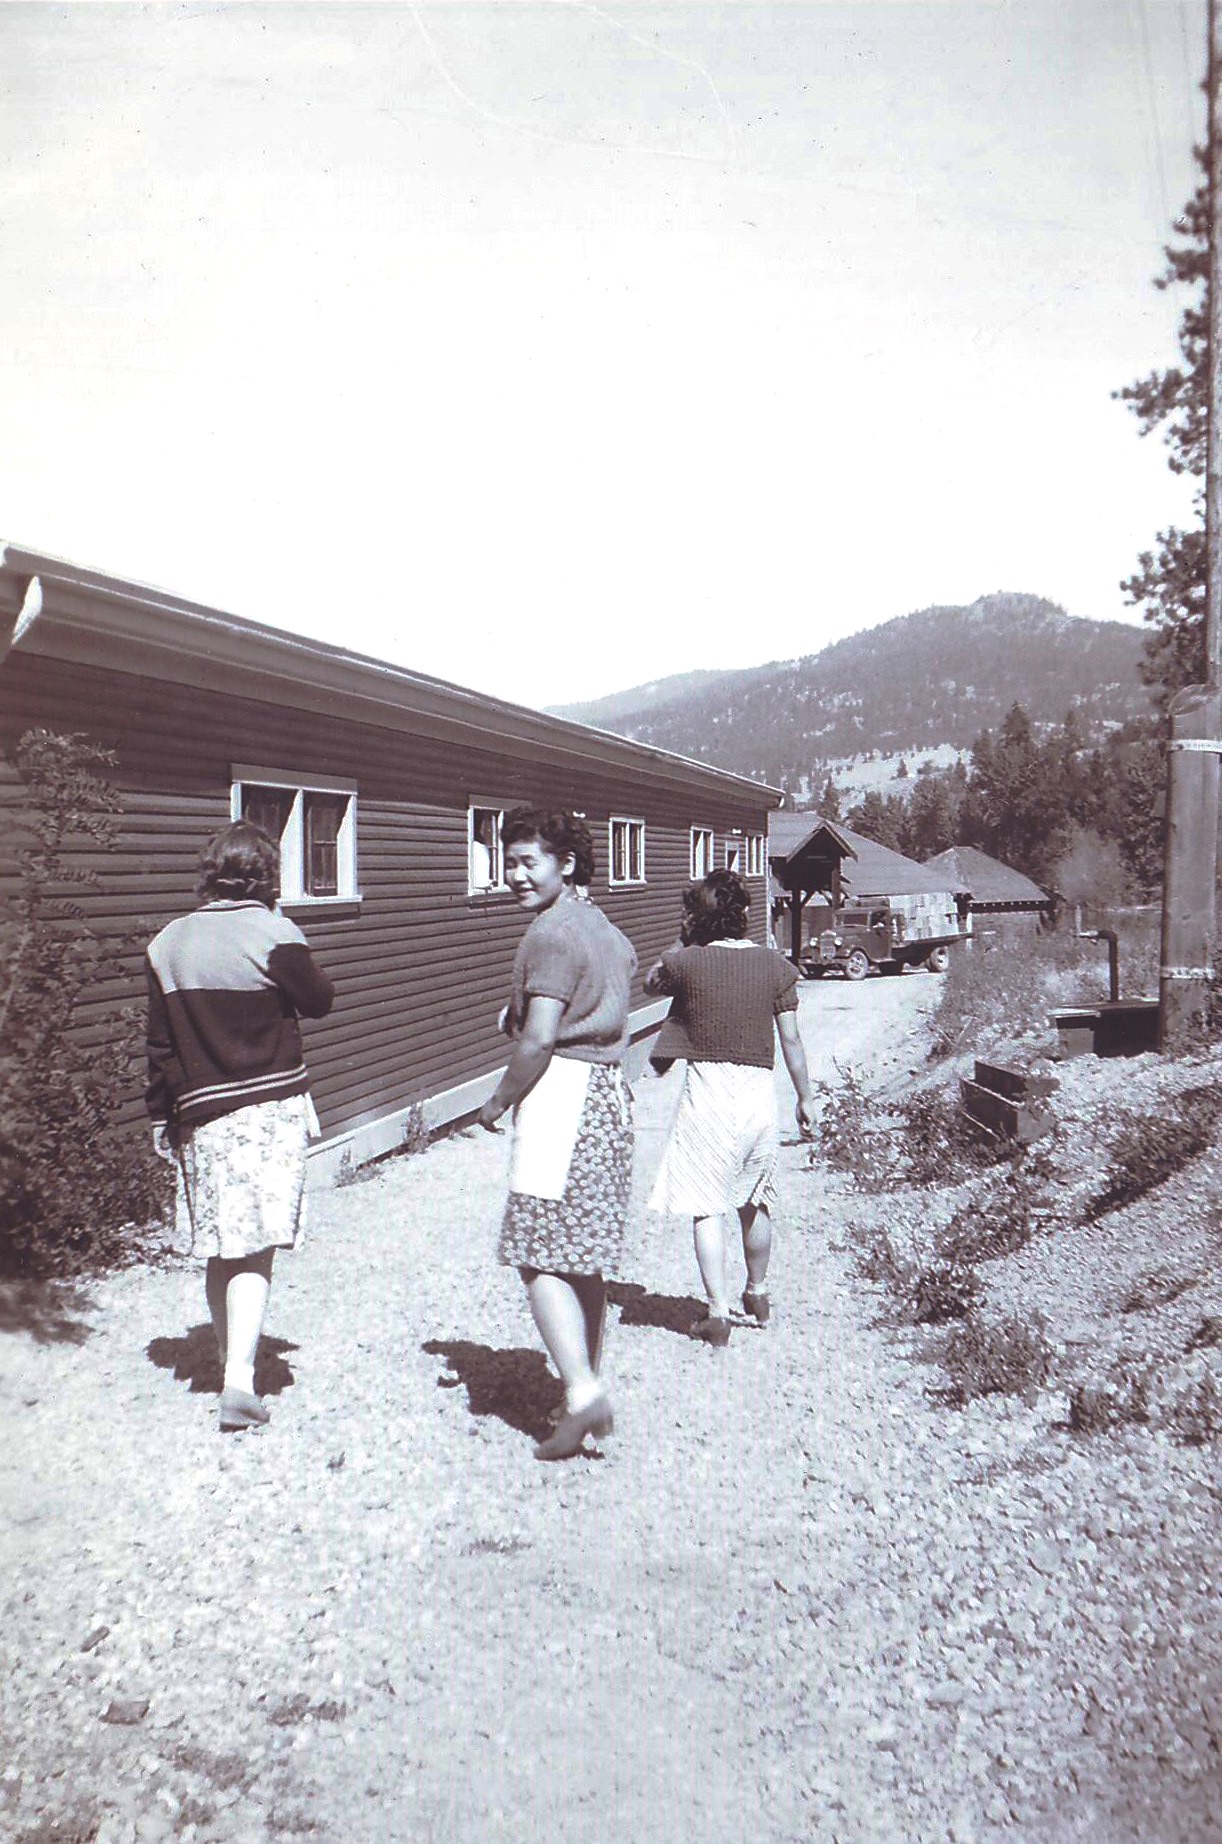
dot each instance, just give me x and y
(237, 1293)
(757, 1243)
(591, 1290)
(709, 1238)
(561, 1321)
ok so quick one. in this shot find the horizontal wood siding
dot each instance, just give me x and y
(421, 969)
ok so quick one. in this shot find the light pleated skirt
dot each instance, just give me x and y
(241, 1180)
(724, 1143)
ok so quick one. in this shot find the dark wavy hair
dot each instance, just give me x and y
(714, 910)
(239, 862)
(560, 833)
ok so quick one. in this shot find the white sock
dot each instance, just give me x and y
(579, 1396)
(240, 1376)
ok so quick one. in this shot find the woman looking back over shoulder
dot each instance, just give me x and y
(724, 1143)
(571, 1165)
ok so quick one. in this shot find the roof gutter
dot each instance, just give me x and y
(165, 629)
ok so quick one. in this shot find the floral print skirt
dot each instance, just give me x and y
(581, 1231)
(241, 1179)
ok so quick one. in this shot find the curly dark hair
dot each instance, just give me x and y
(239, 862)
(560, 833)
(714, 910)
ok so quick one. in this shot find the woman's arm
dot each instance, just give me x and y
(301, 979)
(531, 1055)
(794, 1052)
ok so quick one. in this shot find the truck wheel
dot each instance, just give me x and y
(939, 960)
(857, 965)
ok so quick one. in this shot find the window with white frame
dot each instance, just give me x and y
(701, 851)
(755, 854)
(314, 823)
(485, 859)
(734, 856)
(626, 850)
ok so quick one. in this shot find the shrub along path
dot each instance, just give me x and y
(794, 1600)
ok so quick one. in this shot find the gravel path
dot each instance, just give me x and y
(793, 1600)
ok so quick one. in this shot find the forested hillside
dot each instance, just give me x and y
(938, 676)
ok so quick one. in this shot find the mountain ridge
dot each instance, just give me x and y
(933, 678)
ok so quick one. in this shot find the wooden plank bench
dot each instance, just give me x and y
(1008, 1102)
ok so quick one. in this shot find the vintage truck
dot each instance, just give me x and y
(889, 933)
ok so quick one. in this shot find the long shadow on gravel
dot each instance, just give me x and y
(670, 1312)
(515, 1386)
(47, 1310)
(193, 1360)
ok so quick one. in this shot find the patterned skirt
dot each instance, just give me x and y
(241, 1179)
(571, 1172)
(724, 1143)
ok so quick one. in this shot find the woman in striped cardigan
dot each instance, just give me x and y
(228, 1090)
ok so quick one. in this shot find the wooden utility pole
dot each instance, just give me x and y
(1191, 852)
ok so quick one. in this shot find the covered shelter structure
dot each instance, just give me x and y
(811, 856)
(989, 888)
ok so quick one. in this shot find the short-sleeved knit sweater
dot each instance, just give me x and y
(724, 1002)
(572, 952)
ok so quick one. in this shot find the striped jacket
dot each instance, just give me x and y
(226, 985)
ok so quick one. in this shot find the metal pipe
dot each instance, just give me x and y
(1113, 950)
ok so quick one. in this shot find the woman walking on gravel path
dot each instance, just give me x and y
(724, 1144)
(571, 1164)
(228, 1090)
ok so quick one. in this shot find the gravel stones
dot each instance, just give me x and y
(795, 1600)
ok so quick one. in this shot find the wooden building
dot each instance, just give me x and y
(386, 789)
(997, 899)
(809, 856)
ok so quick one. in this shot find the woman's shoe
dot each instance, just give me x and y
(571, 1430)
(239, 1409)
(758, 1305)
(711, 1330)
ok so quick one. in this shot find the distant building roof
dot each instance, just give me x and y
(869, 869)
(986, 879)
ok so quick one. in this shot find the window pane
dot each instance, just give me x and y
(636, 839)
(485, 848)
(269, 808)
(323, 814)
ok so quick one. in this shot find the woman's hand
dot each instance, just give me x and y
(491, 1113)
(804, 1114)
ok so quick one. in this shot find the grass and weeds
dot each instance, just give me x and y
(992, 995)
(1146, 1150)
(1006, 1356)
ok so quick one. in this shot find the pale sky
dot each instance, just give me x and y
(554, 347)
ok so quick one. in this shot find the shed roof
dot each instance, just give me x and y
(987, 879)
(869, 869)
(58, 609)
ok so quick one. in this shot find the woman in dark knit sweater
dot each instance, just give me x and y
(228, 1090)
(723, 1147)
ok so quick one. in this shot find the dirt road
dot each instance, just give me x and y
(790, 1601)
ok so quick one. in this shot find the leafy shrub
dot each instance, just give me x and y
(1111, 1401)
(417, 1135)
(1000, 1357)
(944, 1290)
(75, 1190)
(1194, 1415)
(1004, 1216)
(1148, 1150)
(939, 1144)
(847, 1138)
